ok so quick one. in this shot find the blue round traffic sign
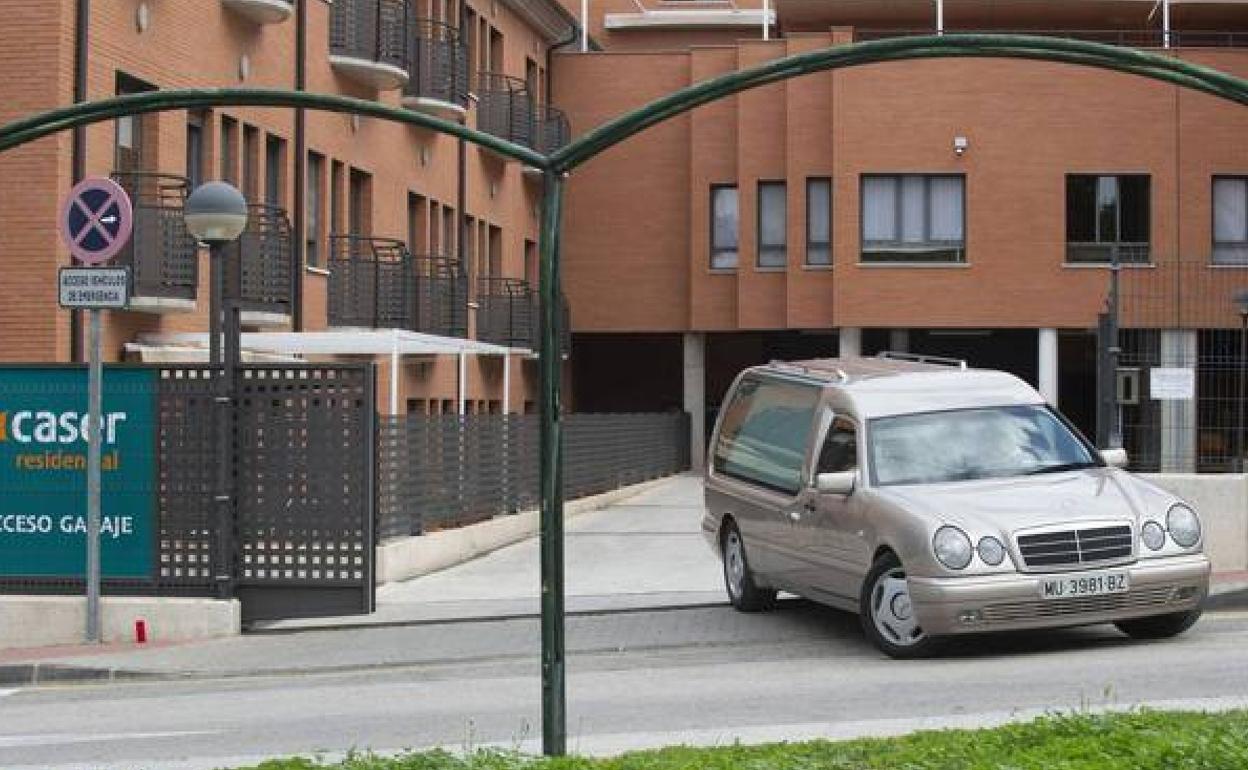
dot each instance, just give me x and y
(96, 220)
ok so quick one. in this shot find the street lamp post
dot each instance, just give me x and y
(216, 214)
(1241, 303)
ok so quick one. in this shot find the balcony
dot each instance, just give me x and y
(552, 130)
(264, 253)
(376, 283)
(262, 11)
(505, 108)
(437, 70)
(162, 255)
(368, 42)
(507, 313)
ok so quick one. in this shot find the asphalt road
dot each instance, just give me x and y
(636, 679)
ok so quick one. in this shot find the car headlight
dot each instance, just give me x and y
(952, 547)
(1153, 535)
(991, 551)
(1183, 525)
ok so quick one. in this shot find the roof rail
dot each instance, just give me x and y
(809, 371)
(919, 358)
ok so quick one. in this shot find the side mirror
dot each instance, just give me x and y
(839, 483)
(1115, 458)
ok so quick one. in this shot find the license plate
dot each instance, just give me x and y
(1094, 584)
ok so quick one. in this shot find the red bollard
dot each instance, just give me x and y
(140, 631)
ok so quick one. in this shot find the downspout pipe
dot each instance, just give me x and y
(78, 161)
(301, 169)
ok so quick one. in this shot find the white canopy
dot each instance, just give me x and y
(395, 343)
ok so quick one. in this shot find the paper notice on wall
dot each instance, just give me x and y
(1171, 383)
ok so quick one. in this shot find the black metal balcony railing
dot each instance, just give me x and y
(373, 30)
(505, 108)
(1085, 253)
(507, 312)
(377, 283)
(553, 130)
(437, 63)
(264, 255)
(161, 254)
(1133, 38)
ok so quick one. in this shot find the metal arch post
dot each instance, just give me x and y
(554, 690)
(46, 123)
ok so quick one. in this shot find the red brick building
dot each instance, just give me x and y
(952, 207)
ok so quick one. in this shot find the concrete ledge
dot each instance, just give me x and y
(1221, 500)
(41, 621)
(409, 557)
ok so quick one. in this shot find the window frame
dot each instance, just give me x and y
(715, 250)
(314, 205)
(1213, 222)
(893, 252)
(759, 245)
(1144, 248)
(806, 261)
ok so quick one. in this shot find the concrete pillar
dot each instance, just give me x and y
(1178, 416)
(695, 396)
(850, 338)
(899, 340)
(1047, 380)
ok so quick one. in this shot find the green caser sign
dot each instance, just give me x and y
(43, 472)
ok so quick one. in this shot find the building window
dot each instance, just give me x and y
(1107, 215)
(1230, 220)
(496, 251)
(913, 218)
(336, 172)
(229, 150)
(819, 221)
(195, 149)
(725, 219)
(130, 153)
(274, 171)
(315, 203)
(772, 224)
(359, 202)
(251, 159)
(417, 224)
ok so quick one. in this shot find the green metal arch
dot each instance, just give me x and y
(1157, 66)
(44, 124)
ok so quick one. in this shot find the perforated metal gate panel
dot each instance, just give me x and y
(305, 487)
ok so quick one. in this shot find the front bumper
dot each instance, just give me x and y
(961, 605)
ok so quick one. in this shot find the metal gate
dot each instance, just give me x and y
(303, 467)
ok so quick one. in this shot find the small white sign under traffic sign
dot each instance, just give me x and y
(94, 288)
(1171, 383)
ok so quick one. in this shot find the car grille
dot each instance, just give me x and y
(1075, 546)
(1079, 605)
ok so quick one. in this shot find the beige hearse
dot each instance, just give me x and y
(934, 500)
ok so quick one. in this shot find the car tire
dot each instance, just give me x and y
(1159, 626)
(743, 592)
(887, 614)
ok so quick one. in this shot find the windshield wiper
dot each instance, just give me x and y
(1060, 468)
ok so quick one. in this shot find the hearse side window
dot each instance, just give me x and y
(840, 449)
(763, 436)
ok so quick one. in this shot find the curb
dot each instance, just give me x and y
(26, 674)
